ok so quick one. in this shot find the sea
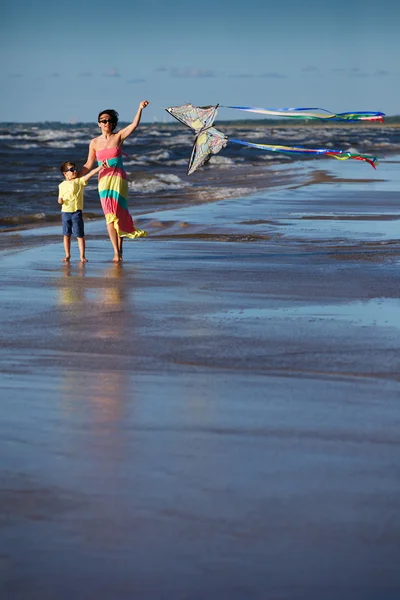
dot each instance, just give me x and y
(156, 163)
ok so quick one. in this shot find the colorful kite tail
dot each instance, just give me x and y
(313, 113)
(291, 150)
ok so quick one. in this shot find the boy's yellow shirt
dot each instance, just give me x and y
(72, 194)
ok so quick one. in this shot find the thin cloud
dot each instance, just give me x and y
(161, 69)
(357, 72)
(54, 75)
(311, 69)
(273, 75)
(15, 75)
(242, 75)
(381, 73)
(111, 73)
(191, 73)
(85, 74)
(137, 80)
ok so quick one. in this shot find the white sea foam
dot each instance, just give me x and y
(159, 155)
(54, 135)
(156, 133)
(25, 146)
(161, 182)
(270, 156)
(61, 144)
(133, 161)
(18, 137)
(223, 193)
(177, 163)
(222, 161)
(150, 157)
(179, 140)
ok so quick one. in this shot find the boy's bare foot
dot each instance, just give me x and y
(83, 259)
(66, 259)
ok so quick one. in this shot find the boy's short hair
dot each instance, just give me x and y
(67, 165)
(113, 114)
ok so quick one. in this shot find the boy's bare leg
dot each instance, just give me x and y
(120, 240)
(113, 235)
(81, 246)
(67, 248)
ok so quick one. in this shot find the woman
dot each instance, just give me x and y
(113, 184)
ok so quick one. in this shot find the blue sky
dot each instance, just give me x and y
(67, 61)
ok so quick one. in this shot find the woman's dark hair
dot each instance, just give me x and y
(111, 113)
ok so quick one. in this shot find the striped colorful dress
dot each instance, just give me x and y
(113, 191)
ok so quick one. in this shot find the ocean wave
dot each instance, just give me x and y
(61, 144)
(179, 140)
(24, 146)
(157, 133)
(27, 219)
(177, 163)
(222, 193)
(223, 161)
(158, 155)
(51, 136)
(272, 156)
(158, 183)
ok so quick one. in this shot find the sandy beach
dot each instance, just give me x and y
(218, 416)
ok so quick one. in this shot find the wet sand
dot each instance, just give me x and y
(218, 416)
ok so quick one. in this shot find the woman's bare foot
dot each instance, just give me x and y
(116, 258)
(83, 259)
(66, 259)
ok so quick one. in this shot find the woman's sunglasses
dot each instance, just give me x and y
(104, 121)
(72, 169)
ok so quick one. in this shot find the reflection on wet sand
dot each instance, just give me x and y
(102, 303)
(76, 288)
(69, 292)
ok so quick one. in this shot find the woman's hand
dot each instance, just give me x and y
(143, 104)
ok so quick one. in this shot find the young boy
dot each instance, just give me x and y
(70, 196)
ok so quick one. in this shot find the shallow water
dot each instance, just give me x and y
(156, 165)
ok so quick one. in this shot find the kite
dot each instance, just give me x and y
(208, 140)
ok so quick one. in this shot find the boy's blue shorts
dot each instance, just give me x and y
(72, 222)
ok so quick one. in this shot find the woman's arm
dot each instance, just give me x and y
(90, 160)
(124, 133)
(103, 165)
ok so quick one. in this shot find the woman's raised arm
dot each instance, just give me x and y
(124, 133)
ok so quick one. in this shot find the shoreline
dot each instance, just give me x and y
(299, 174)
(268, 179)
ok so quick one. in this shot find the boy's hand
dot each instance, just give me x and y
(143, 104)
(60, 201)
